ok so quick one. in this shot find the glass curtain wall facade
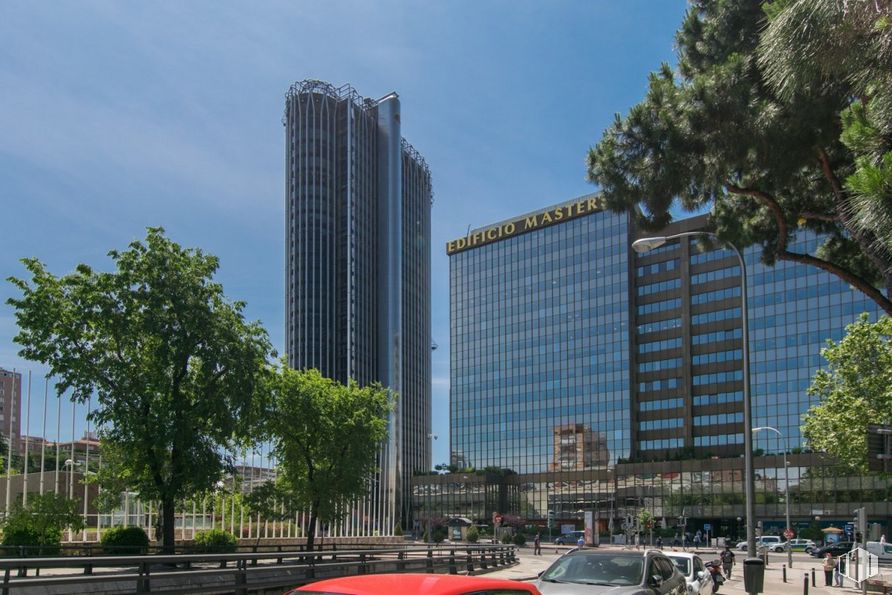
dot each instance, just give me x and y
(590, 378)
(539, 361)
(357, 259)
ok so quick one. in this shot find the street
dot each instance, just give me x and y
(530, 566)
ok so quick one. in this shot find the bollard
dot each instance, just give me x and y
(813, 584)
(805, 584)
(784, 569)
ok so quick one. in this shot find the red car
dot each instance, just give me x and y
(409, 584)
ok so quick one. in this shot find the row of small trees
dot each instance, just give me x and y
(178, 377)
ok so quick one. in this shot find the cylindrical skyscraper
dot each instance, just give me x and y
(357, 263)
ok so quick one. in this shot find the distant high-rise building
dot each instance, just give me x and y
(357, 262)
(10, 408)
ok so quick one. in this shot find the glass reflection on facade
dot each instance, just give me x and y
(540, 367)
(586, 377)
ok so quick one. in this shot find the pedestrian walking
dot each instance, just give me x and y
(727, 561)
(715, 574)
(659, 542)
(537, 546)
(697, 540)
(840, 568)
(829, 567)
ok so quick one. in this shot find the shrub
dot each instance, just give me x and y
(398, 530)
(508, 539)
(36, 529)
(439, 534)
(124, 541)
(520, 539)
(215, 541)
(33, 542)
(473, 535)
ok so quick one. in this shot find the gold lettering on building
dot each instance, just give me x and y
(528, 223)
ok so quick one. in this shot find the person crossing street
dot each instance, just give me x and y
(727, 561)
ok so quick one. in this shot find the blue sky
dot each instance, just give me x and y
(115, 116)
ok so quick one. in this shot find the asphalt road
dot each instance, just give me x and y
(530, 566)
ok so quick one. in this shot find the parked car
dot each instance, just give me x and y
(765, 541)
(880, 549)
(692, 567)
(836, 549)
(797, 545)
(569, 538)
(430, 584)
(623, 572)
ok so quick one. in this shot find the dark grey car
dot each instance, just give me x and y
(614, 572)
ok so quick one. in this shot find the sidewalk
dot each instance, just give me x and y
(530, 566)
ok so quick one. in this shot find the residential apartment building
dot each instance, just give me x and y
(11, 408)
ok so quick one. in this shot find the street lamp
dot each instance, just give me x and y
(643, 245)
(786, 486)
(71, 464)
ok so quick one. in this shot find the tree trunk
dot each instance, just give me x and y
(168, 514)
(311, 531)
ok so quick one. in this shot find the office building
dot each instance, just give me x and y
(11, 408)
(357, 261)
(586, 378)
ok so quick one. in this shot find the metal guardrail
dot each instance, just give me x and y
(91, 549)
(240, 573)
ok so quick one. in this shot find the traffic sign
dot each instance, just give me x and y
(788, 533)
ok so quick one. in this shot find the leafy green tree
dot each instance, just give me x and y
(646, 522)
(272, 500)
(854, 390)
(172, 363)
(812, 46)
(714, 134)
(326, 436)
(40, 523)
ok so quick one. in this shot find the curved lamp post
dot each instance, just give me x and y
(643, 245)
(786, 485)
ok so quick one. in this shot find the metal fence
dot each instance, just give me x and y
(240, 573)
(53, 450)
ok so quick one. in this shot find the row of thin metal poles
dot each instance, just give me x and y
(226, 510)
(219, 510)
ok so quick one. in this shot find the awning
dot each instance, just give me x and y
(459, 521)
